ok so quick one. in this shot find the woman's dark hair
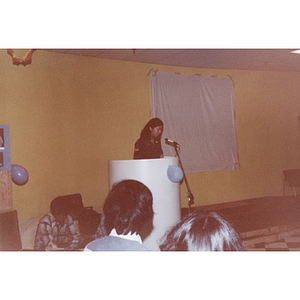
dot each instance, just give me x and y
(128, 207)
(201, 231)
(145, 133)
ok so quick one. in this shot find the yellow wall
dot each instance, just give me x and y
(69, 115)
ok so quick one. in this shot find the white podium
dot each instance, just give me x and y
(166, 194)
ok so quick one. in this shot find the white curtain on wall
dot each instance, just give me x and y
(198, 113)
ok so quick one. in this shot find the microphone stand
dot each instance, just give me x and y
(190, 196)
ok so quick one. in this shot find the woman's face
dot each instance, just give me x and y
(156, 132)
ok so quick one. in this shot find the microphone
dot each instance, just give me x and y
(170, 142)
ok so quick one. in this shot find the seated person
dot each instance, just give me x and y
(56, 230)
(201, 231)
(88, 223)
(127, 208)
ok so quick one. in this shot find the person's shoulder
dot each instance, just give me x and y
(112, 243)
(46, 219)
(98, 244)
(139, 141)
(142, 142)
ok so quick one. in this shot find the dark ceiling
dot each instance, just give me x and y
(239, 59)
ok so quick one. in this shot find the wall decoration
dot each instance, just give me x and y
(198, 113)
(5, 164)
(26, 60)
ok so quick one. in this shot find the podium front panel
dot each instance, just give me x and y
(166, 194)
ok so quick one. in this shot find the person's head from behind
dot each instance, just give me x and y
(200, 231)
(128, 207)
(153, 129)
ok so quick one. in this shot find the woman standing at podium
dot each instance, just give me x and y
(149, 144)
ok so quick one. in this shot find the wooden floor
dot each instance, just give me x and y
(260, 220)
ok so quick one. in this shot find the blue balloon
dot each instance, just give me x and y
(19, 174)
(174, 173)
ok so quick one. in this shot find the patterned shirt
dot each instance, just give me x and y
(51, 234)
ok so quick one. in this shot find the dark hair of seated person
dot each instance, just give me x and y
(128, 207)
(58, 207)
(199, 231)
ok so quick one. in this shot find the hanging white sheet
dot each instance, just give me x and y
(198, 113)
